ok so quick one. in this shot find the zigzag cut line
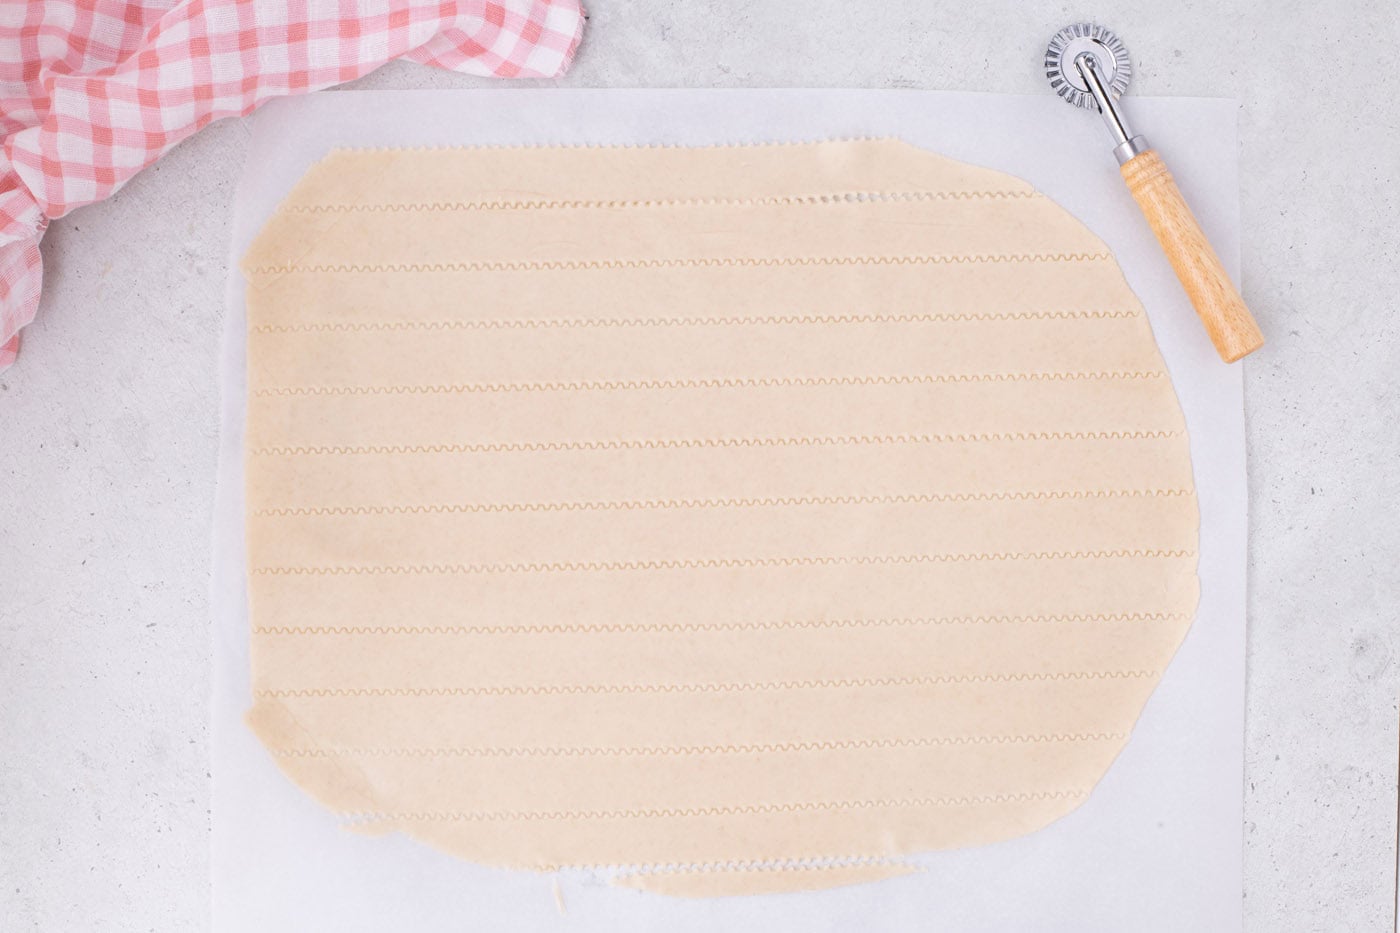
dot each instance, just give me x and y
(475, 816)
(725, 503)
(763, 748)
(682, 321)
(665, 688)
(529, 204)
(854, 440)
(628, 628)
(571, 265)
(737, 382)
(706, 563)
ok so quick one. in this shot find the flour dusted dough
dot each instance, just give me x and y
(739, 519)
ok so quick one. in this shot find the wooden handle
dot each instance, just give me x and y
(1222, 310)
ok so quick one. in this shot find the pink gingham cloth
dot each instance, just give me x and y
(92, 91)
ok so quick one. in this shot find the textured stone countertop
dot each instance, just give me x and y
(108, 429)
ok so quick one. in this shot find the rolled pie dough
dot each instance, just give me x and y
(734, 519)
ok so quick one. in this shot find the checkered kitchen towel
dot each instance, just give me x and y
(92, 91)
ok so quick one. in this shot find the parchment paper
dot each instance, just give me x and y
(1158, 846)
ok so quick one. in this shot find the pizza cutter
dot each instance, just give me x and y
(1088, 66)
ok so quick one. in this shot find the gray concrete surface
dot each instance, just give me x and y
(108, 423)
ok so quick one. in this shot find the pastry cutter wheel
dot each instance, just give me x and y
(1088, 66)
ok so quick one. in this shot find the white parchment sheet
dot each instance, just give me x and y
(1157, 846)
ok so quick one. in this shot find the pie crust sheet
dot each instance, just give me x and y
(732, 519)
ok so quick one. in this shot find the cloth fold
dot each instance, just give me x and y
(93, 91)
